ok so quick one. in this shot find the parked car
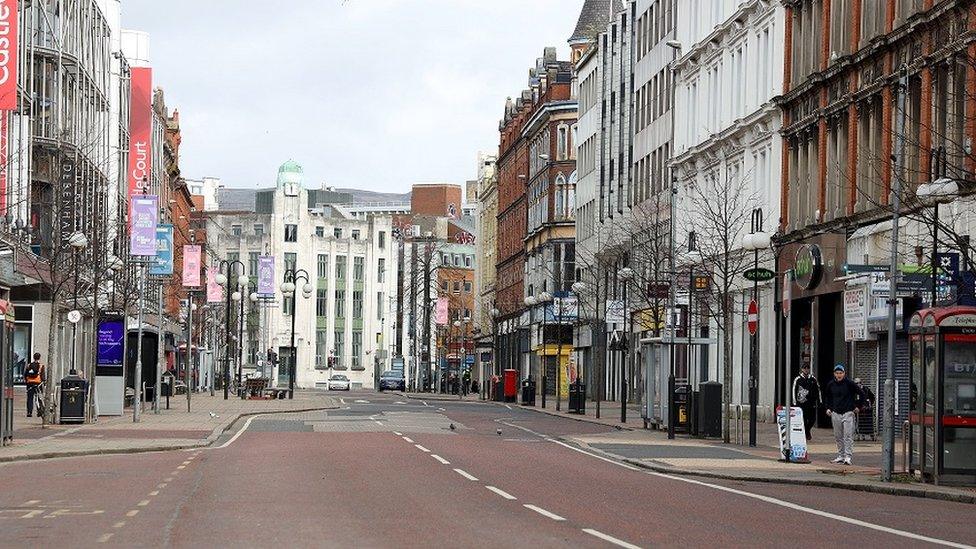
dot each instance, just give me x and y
(339, 382)
(393, 381)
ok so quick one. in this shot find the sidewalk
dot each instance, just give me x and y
(171, 429)
(470, 397)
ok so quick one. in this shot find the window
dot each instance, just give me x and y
(258, 229)
(467, 261)
(455, 260)
(291, 233)
(321, 349)
(381, 270)
(357, 348)
(320, 231)
(467, 287)
(357, 305)
(340, 273)
(288, 305)
(467, 314)
(237, 230)
(382, 240)
(338, 335)
(379, 305)
(340, 303)
(291, 261)
(358, 268)
(355, 234)
(457, 286)
(562, 142)
(233, 257)
(322, 303)
(337, 232)
(444, 285)
(323, 266)
(252, 263)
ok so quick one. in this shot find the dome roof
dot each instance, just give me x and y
(290, 172)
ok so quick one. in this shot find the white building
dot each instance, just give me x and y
(728, 72)
(208, 188)
(344, 325)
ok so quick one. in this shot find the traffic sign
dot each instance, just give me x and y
(759, 274)
(753, 317)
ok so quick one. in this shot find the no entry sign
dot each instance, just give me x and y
(753, 317)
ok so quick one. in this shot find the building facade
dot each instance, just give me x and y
(485, 253)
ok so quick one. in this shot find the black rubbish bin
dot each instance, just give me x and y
(74, 390)
(682, 412)
(498, 390)
(709, 409)
(577, 397)
(528, 392)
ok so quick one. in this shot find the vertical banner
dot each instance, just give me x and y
(191, 266)
(266, 272)
(140, 132)
(163, 265)
(144, 217)
(215, 292)
(8, 55)
(441, 311)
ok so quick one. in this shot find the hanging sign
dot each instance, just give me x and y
(145, 216)
(163, 265)
(191, 266)
(266, 269)
(215, 292)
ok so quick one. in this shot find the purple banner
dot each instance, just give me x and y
(145, 217)
(266, 271)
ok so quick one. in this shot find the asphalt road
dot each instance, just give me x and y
(387, 472)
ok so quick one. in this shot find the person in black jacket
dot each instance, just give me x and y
(806, 395)
(842, 399)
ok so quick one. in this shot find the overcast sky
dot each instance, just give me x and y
(372, 94)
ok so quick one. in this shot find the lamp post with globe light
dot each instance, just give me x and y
(530, 302)
(288, 287)
(238, 297)
(625, 274)
(753, 241)
(228, 269)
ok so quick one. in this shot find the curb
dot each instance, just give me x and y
(891, 490)
(437, 398)
(216, 434)
(583, 418)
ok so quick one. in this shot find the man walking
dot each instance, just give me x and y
(806, 395)
(33, 376)
(842, 399)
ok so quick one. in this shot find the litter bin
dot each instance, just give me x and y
(74, 390)
(680, 402)
(709, 409)
(528, 392)
(497, 394)
(577, 397)
(168, 379)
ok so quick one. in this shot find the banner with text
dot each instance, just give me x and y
(191, 266)
(440, 313)
(8, 55)
(266, 272)
(144, 210)
(140, 132)
(163, 266)
(215, 292)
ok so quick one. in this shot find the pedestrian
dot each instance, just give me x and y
(806, 395)
(842, 399)
(34, 376)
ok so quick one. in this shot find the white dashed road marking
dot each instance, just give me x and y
(401, 434)
(408, 439)
(610, 539)
(543, 512)
(465, 474)
(501, 492)
(421, 448)
(440, 459)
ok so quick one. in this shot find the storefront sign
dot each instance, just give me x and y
(145, 216)
(759, 274)
(163, 265)
(808, 266)
(8, 55)
(856, 314)
(266, 271)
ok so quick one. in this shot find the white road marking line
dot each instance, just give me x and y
(143, 503)
(440, 459)
(132, 513)
(119, 524)
(543, 512)
(408, 439)
(465, 474)
(168, 479)
(238, 433)
(187, 462)
(32, 502)
(501, 492)
(184, 466)
(161, 485)
(509, 407)
(156, 492)
(33, 513)
(105, 537)
(778, 502)
(421, 448)
(380, 424)
(611, 539)
(401, 434)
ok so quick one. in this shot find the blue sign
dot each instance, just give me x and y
(163, 263)
(111, 336)
(469, 359)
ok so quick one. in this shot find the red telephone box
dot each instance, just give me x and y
(943, 393)
(511, 385)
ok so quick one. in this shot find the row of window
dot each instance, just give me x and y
(457, 286)
(336, 352)
(653, 99)
(456, 260)
(656, 23)
(291, 232)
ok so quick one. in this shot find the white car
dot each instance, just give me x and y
(339, 382)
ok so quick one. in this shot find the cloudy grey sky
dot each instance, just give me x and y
(373, 94)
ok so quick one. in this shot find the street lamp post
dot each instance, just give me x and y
(755, 241)
(223, 278)
(625, 274)
(494, 351)
(242, 282)
(544, 299)
(530, 302)
(288, 287)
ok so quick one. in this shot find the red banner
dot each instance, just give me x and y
(8, 55)
(191, 266)
(140, 130)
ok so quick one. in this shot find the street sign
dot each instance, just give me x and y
(702, 283)
(618, 341)
(753, 317)
(787, 292)
(856, 314)
(759, 274)
(658, 290)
